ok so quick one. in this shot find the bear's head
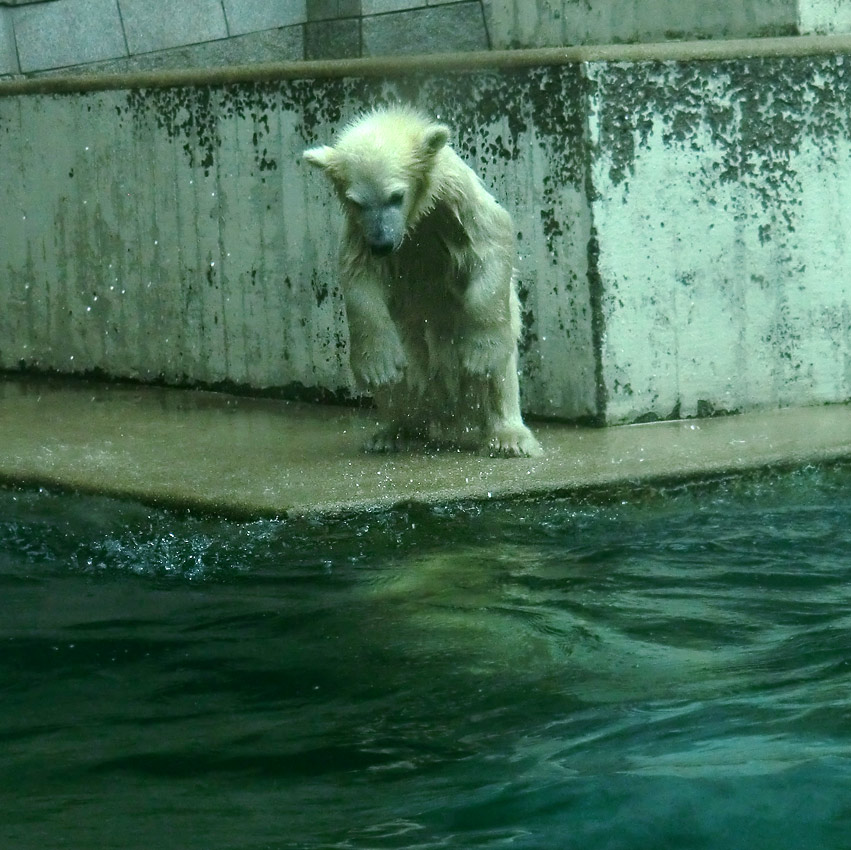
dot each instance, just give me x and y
(383, 167)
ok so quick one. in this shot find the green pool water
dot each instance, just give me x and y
(652, 670)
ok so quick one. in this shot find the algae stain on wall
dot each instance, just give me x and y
(757, 113)
(719, 174)
(505, 124)
(189, 243)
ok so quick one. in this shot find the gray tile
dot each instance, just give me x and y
(437, 29)
(244, 16)
(380, 7)
(153, 25)
(332, 39)
(323, 10)
(8, 54)
(53, 35)
(279, 45)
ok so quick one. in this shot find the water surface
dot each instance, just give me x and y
(661, 670)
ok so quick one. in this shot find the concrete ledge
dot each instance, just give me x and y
(679, 51)
(247, 457)
(681, 225)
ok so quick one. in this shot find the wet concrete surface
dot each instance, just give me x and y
(248, 457)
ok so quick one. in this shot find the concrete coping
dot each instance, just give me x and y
(677, 51)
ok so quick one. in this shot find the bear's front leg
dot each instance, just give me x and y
(376, 353)
(376, 356)
(505, 433)
(488, 322)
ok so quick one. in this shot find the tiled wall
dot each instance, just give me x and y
(39, 36)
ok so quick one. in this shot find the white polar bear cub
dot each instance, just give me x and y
(428, 280)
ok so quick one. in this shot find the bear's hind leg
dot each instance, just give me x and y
(395, 437)
(505, 433)
(405, 428)
(512, 441)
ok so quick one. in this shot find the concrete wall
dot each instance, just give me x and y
(176, 235)
(538, 23)
(825, 16)
(683, 229)
(722, 211)
(549, 23)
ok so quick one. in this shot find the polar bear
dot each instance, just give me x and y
(427, 273)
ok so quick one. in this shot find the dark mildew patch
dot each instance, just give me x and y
(187, 115)
(504, 122)
(193, 116)
(756, 112)
(543, 104)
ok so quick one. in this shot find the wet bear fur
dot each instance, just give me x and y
(427, 273)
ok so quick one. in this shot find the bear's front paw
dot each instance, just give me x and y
(380, 365)
(483, 355)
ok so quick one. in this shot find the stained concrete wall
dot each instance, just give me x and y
(682, 229)
(722, 208)
(176, 235)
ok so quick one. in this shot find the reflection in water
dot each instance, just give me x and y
(662, 671)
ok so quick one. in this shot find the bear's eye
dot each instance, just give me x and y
(396, 198)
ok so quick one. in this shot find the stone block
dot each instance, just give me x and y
(8, 54)
(276, 45)
(435, 29)
(553, 23)
(333, 39)
(825, 16)
(247, 16)
(149, 26)
(381, 7)
(323, 10)
(73, 32)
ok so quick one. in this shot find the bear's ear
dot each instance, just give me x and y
(434, 138)
(324, 157)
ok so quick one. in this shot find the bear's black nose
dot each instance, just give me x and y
(381, 249)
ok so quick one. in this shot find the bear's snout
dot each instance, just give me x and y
(381, 249)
